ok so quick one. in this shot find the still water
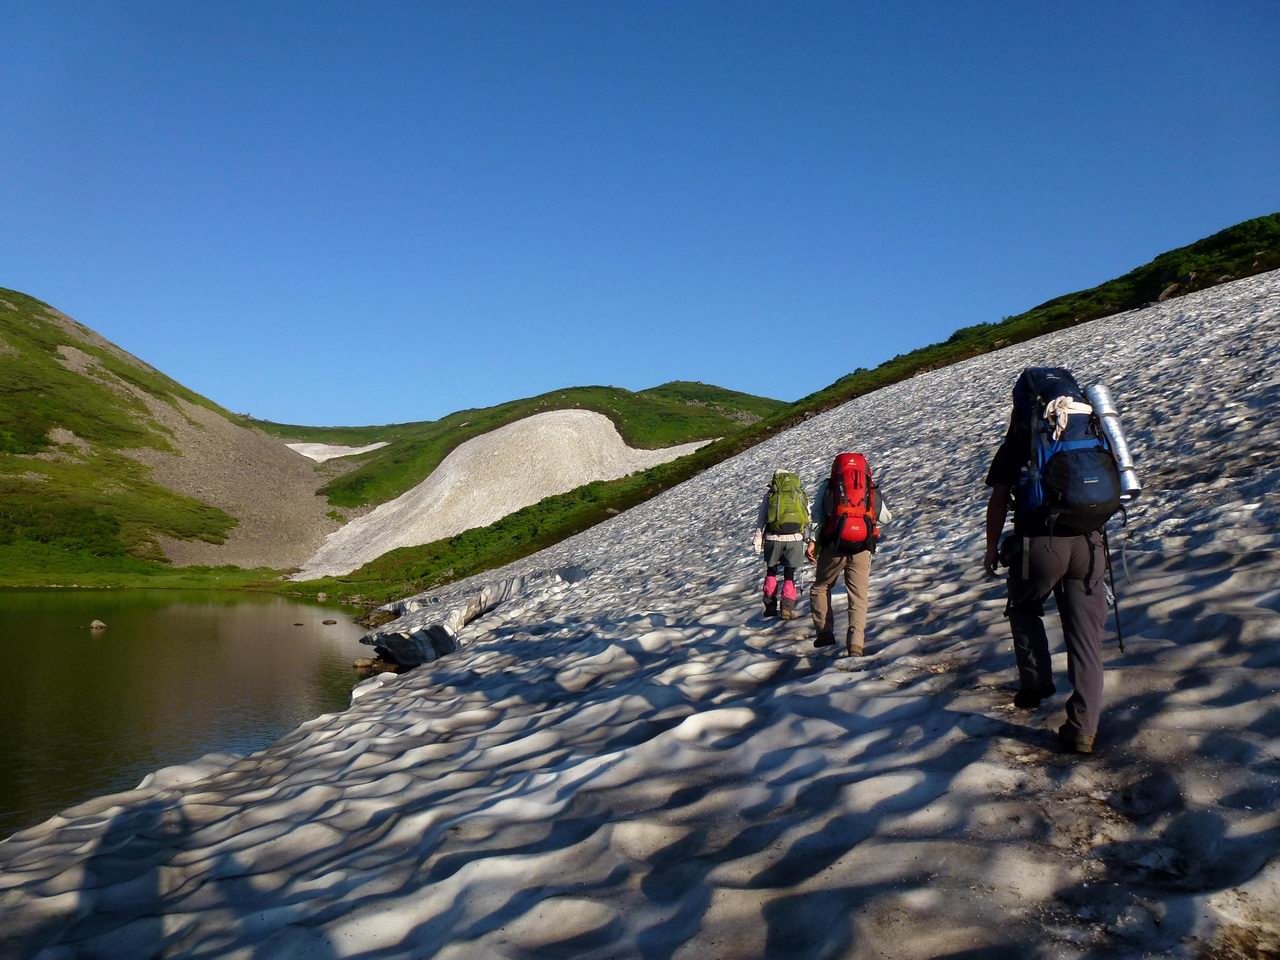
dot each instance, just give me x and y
(174, 676)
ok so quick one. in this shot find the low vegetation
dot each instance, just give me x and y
(34, 564)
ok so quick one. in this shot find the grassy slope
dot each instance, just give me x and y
(1246, 249)
(662, 416)
(83, 502)
(38, 392)
(1243, 250)
(29, 564)
(82, 512)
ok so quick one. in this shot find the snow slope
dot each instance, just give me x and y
(320, 452)
(636, 765)
(487, 478)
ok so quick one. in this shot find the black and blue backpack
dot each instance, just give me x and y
(1070, 484)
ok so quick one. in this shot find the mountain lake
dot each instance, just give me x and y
(175, 675)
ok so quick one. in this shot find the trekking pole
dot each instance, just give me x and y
(1115, 599)
(1124, 546)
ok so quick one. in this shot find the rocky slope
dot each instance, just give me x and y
(98, 439)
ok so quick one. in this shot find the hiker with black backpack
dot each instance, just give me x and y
(847, 513)
(1057, 467)
(781, 527)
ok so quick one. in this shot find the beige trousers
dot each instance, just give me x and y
(857, 578)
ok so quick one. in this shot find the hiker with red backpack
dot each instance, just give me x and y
(1065, 464)
(781, 527)
(847, 513)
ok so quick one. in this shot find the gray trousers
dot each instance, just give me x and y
(789, 553)
(856, 570)
(1071, 568)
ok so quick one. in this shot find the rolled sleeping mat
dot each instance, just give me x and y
(1104, 408)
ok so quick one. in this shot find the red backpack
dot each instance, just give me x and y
(851, 515)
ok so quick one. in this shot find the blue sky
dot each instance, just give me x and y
(373, 212)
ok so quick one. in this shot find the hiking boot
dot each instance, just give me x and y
(770, 594)
(824, 640)
(850, 649)
(1073, 741)
(1030, 699)
(788, 607)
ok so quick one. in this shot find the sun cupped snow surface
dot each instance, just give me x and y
(320, 452)
(638, 765)
(485, 479)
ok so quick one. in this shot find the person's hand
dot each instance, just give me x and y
(992, 561)
(758, 542)
(811, 552)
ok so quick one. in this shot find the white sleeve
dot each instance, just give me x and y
(883, 513)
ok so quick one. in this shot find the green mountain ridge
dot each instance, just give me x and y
(84, 427)
(662, 416)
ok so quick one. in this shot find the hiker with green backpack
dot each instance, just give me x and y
(1065, 468)
(781, 527)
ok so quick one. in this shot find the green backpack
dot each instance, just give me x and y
(788, 505)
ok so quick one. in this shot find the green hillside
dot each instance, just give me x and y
(1246, 249)
(663, 416)
(69, 403)
(74, 508)
(40, 390)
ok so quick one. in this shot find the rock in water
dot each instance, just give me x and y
(328, 623)
(97, 625)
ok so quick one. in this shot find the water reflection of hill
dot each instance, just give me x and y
(174, 676)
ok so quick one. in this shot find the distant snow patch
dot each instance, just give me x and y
(320, 452)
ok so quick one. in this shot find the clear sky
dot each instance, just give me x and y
(369, 212)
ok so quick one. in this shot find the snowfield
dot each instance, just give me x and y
(636, 765)
(486, 478)
(320, 452)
